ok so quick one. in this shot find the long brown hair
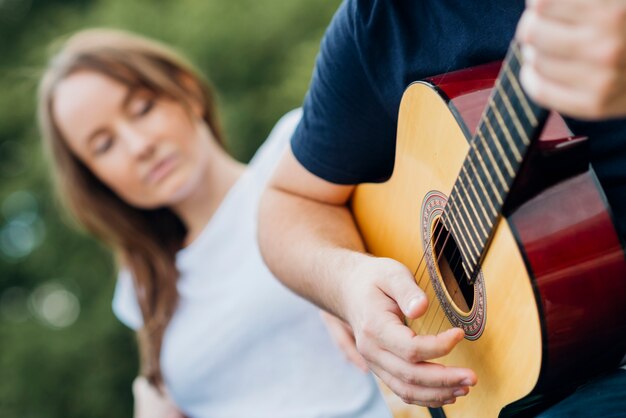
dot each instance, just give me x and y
(145, 241)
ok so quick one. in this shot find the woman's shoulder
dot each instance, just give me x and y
(277, 140)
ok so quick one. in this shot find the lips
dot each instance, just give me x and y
(162, 169)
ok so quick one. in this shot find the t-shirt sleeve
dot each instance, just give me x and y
(345, 135)
(125, 305)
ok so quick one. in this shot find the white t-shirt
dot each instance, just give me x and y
(240, 344)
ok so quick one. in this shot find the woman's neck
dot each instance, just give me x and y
(197, 210)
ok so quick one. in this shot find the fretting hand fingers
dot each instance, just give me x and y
(575, 56)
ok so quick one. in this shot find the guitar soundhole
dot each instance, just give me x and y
(454, 279)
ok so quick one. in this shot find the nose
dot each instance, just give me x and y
(140, 144)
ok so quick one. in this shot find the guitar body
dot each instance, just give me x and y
(548, 308)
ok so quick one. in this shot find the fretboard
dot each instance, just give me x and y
(510, 122)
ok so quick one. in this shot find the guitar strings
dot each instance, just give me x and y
(507, 117)
(456, 253)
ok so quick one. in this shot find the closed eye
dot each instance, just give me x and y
(141, 104)
(147, 106)
(102, 144)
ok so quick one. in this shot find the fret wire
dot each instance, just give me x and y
(517, 54)
(461, 203)
(495, 140)
(471, 203)
(507, 103)
(539, 113)
(487, 198)
(513, 113)
(458, 214)
(485, 170)
(467, 254)
(514, 59)
(452, 227)
(505, 131)
(470, 238)
(493, 161)
(521, 97)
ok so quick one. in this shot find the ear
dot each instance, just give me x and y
(192, 87)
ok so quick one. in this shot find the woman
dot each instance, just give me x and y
(137, 153)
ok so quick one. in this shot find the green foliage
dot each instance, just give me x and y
(259, 56)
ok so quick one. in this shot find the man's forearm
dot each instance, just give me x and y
(310, 246)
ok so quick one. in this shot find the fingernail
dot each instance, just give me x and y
(414, 302)
(454, 331)
(449, 401)
(466, 382)
(459, 392)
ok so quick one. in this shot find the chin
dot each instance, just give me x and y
(171, 191)
(178, 189)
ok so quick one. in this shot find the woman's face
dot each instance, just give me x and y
(148, 149)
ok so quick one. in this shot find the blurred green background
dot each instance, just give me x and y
(62, 353)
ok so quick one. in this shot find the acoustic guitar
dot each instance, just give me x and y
(495, 207)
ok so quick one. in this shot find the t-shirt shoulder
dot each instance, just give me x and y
(268, 154)
(125, 305)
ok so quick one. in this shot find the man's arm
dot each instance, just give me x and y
(310, 242)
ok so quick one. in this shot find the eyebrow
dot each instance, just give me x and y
(125, 102)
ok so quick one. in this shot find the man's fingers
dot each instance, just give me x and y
(435, 346)
(575, 56)
(355, 357)
(401, 287)
(551, 37)
(420, 395)
(344, 338)
(390, 333)
(424, 373)
(402, 342)
(561, 71)
(584, 42)
(346, 343)
(570, 102)
(571, 11)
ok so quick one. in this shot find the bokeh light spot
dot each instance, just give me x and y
(55, 305)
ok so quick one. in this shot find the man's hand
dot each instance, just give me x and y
(575, 56)
(343, 336)
(379, 293)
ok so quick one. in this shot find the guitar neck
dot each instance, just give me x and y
(510, 123)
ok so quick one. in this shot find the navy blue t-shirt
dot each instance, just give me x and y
(374, 49)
